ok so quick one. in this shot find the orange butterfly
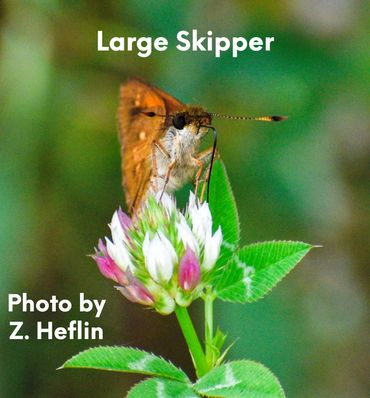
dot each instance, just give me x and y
(160, 138)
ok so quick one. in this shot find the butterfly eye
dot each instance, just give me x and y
(179, 121)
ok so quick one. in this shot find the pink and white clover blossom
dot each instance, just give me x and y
(160, 257)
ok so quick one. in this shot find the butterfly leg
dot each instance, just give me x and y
(168, 174)
(204, 157)
(200, 165)
(161, 148)
(157, 146)
(205, 184)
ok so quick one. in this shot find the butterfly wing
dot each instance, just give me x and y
(172, 104)
(137, 132)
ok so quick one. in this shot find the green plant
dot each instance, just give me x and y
(166, 259)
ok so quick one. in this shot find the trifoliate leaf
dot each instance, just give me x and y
(124, 359)
(240, 379)
(224, 212)
(161, 388)
(222, 205)
(257, 268)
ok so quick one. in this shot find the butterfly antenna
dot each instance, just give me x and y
(258, 118)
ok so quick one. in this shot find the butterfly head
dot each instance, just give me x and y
(193, 118)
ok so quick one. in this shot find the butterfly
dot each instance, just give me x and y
(160, 138)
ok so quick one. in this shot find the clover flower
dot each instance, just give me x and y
(161, 257)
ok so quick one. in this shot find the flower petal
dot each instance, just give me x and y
(186, 235)
(146, 244)
(107, 266)
(119, 254)
(124, 219)
(189, 270)
(136, 293)
(160, 258)
(201, 218)
(211, 249)
(167, 201)
(118, 234)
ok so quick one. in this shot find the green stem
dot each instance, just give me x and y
(208, 329)
(192, 340)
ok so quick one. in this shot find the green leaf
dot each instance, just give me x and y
(161, 388)
(124, 359)
(224, 212)
(222, 205)
(234, 283)
(215, 347)
(257, 268)
(219, 339)
(240, 379)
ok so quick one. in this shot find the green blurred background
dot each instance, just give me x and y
(304, 179)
